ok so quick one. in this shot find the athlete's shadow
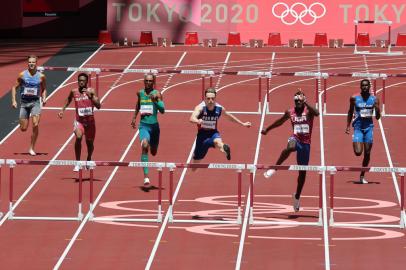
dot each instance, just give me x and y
(149, 188)
(357, 182)
(28, 154)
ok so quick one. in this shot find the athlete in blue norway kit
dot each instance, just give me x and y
(206, 116)
(362, 108)
(33, 94)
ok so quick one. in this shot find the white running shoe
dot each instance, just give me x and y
(296, 203)
(146, 181)
(32, 152)
(269, 173)
(363, 181)
(76, 168)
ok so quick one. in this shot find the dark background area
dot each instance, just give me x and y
(85, 23)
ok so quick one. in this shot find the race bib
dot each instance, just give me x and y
(301, 129)
(147, 109)
(30, 91)
(85, 111)
(366, 112)
(209, 124)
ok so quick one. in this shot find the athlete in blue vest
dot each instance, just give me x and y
(206, 116)
(33, 94)
(360, 114)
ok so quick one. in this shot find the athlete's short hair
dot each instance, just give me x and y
(32, 56)
(365, 80)
(298, 93)
(83, 75)
(210, 90)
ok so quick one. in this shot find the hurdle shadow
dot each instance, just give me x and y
(28, 154)
(357, 182)
(149, 188)
(84, 179)
(198, 217)
(293, 216)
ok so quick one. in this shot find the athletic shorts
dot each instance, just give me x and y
(204, 140)
(88, 128)
(364, 135)
(30, 108)
(302, 151)
(150, 132)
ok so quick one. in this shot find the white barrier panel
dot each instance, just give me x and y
(200, 72)
(255, 73)
(144, 71)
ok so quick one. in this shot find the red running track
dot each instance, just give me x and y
(207, 194)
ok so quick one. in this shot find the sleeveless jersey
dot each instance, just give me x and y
(148, 109)
(363, 112)
(83, 105)
(30, 86)
(302, 125)
(209, 118)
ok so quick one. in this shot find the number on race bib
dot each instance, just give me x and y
(301, 129)
(85, 111)
(209, 124)
(30, 91)
(147, 109)
(366, 112)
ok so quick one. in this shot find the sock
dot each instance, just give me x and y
(144, 158)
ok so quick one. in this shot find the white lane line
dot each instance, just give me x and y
(59, 87)
(248, 203)
(172, 74)
(324, 194)
(38, 178)
(222, 70)
(175, 195)
(120, 77)
(86, 219)
(166, 219)
(385, 143)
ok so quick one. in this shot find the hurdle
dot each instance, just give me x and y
(89, 71)
(19, 162)
(356, 34)
(370, 76)
(237, 167)
(157, 165)
(260, 75)
(319, 169)
(401, 171)
(320, 79)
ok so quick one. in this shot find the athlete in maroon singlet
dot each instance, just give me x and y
(85, 100)
(301, 118)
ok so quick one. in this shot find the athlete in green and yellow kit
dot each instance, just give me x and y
(148, 104)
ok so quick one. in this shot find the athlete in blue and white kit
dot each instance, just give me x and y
(206, 116)
(33, 95)
(364, 106)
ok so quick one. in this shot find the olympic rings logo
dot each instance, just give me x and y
(300, 14)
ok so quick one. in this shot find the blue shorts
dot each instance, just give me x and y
(150, 132)
(204, 140)
(364, 135)
(302, 152)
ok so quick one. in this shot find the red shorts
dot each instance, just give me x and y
(86, 127)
